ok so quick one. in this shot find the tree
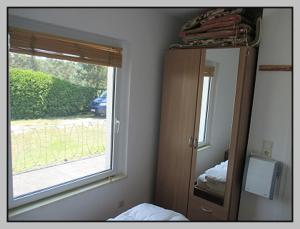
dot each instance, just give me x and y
(89, 75)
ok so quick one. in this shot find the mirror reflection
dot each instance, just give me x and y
(215, 124)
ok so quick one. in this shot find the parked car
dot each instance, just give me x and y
(98, 105)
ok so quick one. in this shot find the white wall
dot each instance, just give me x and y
(223, 97)
(272, 116)
(146, 35)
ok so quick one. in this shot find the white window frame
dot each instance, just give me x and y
(210, 112)
(69, 185)
(204, 143)
(118, 165)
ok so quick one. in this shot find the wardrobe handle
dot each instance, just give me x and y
(190, 143)
(206, 210)
(195, 144)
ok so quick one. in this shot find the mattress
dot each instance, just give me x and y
(213, 180)
(149, 212)
(214, 187)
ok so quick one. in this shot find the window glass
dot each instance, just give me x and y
(204, 110)
(60, 126)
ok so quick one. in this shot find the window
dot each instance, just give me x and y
(206, 107)
(204, 110)
(62, 108)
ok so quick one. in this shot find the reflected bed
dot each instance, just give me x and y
(211, 184)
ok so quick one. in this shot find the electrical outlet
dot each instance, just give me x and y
(267, 148)
(267, 153)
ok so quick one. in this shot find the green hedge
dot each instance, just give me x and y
(39, 95)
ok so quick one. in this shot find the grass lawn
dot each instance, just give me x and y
(45, 142)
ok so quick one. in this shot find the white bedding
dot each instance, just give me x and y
(149, 212)
(213, 180)
(217, 173)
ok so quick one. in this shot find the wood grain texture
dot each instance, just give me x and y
(275, 68)
(47, 45)
(182, 91)
(191, 199)
(195, 203)
(176, 127)
(203, 210)
(237, 150)
(240, 130)
(209, 71)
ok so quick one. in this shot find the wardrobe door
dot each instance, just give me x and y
(179, 99)
(241, 124)
(214, 122)
(232, 88)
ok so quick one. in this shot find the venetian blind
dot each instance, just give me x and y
(41, 44)
(209, 71)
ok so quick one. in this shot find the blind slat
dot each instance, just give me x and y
(104, 62)
(209, 71)
(39, 44)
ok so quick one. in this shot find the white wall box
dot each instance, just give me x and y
(261, 176)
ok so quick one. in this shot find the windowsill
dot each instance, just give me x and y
(204, 147)
(60, 196)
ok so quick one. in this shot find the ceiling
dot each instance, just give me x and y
(181, 13)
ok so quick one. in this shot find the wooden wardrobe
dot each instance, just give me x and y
(179, 126)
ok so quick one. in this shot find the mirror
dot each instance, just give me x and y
(215, 123)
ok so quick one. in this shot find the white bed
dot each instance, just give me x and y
(213, 180)
(149, 212)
